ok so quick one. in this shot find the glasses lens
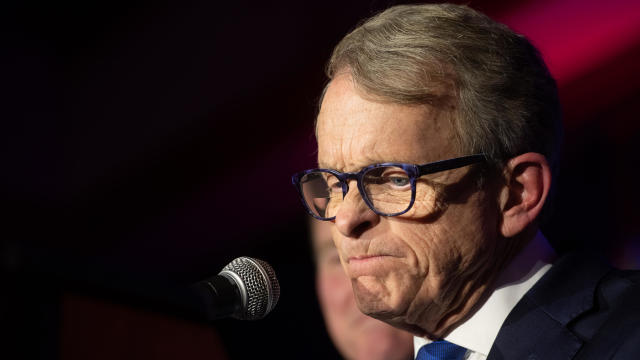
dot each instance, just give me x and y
(388, 189)
(322, 192)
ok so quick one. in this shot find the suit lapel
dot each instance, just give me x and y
(537, 327)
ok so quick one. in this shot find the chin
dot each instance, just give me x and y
(375, 300)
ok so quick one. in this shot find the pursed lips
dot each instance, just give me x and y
(364, 258)
(362, 265)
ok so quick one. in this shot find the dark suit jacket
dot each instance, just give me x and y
(581, 309)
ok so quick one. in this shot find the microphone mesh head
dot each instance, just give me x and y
(259, 284)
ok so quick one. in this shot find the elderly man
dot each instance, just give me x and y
(438, 136)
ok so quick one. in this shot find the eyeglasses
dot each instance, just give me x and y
(389, 189)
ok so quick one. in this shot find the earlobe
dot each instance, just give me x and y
(527, 185)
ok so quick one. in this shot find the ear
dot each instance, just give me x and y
(528, 180)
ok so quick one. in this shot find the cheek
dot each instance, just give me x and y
(435, 251)
(418, 244)
(456, 243)
(471, 230)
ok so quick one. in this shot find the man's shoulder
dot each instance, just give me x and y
(578, 310)
(596, 290)
(612, 328)
(630, 275)
(609, 322)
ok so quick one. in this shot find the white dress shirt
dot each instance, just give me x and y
(478, 333)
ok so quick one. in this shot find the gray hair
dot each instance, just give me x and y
(505, 100)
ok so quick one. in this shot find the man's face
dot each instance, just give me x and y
(422, 270)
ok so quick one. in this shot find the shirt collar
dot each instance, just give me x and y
(480, 331)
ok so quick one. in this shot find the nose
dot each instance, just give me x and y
(354, 217)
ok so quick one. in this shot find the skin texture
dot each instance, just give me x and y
(427, 270)
(356, 336)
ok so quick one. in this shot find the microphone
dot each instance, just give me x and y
(246, 289)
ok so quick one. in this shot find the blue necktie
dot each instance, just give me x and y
(441, 350)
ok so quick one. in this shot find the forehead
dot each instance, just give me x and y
(355, 130)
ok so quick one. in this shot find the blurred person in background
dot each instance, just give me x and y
(355, 335)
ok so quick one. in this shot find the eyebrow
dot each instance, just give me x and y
(348, 169)
(355, 169)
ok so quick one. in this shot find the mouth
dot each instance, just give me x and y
(363, 265)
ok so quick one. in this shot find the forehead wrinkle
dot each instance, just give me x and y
(361, 146)
(332, 157)
(354, 131)
(358, 152)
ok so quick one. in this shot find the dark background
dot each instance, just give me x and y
(156, 139)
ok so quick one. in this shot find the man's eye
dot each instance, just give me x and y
(335, 186)
(398, 181)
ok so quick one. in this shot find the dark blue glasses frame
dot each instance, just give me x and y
(414, 172)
